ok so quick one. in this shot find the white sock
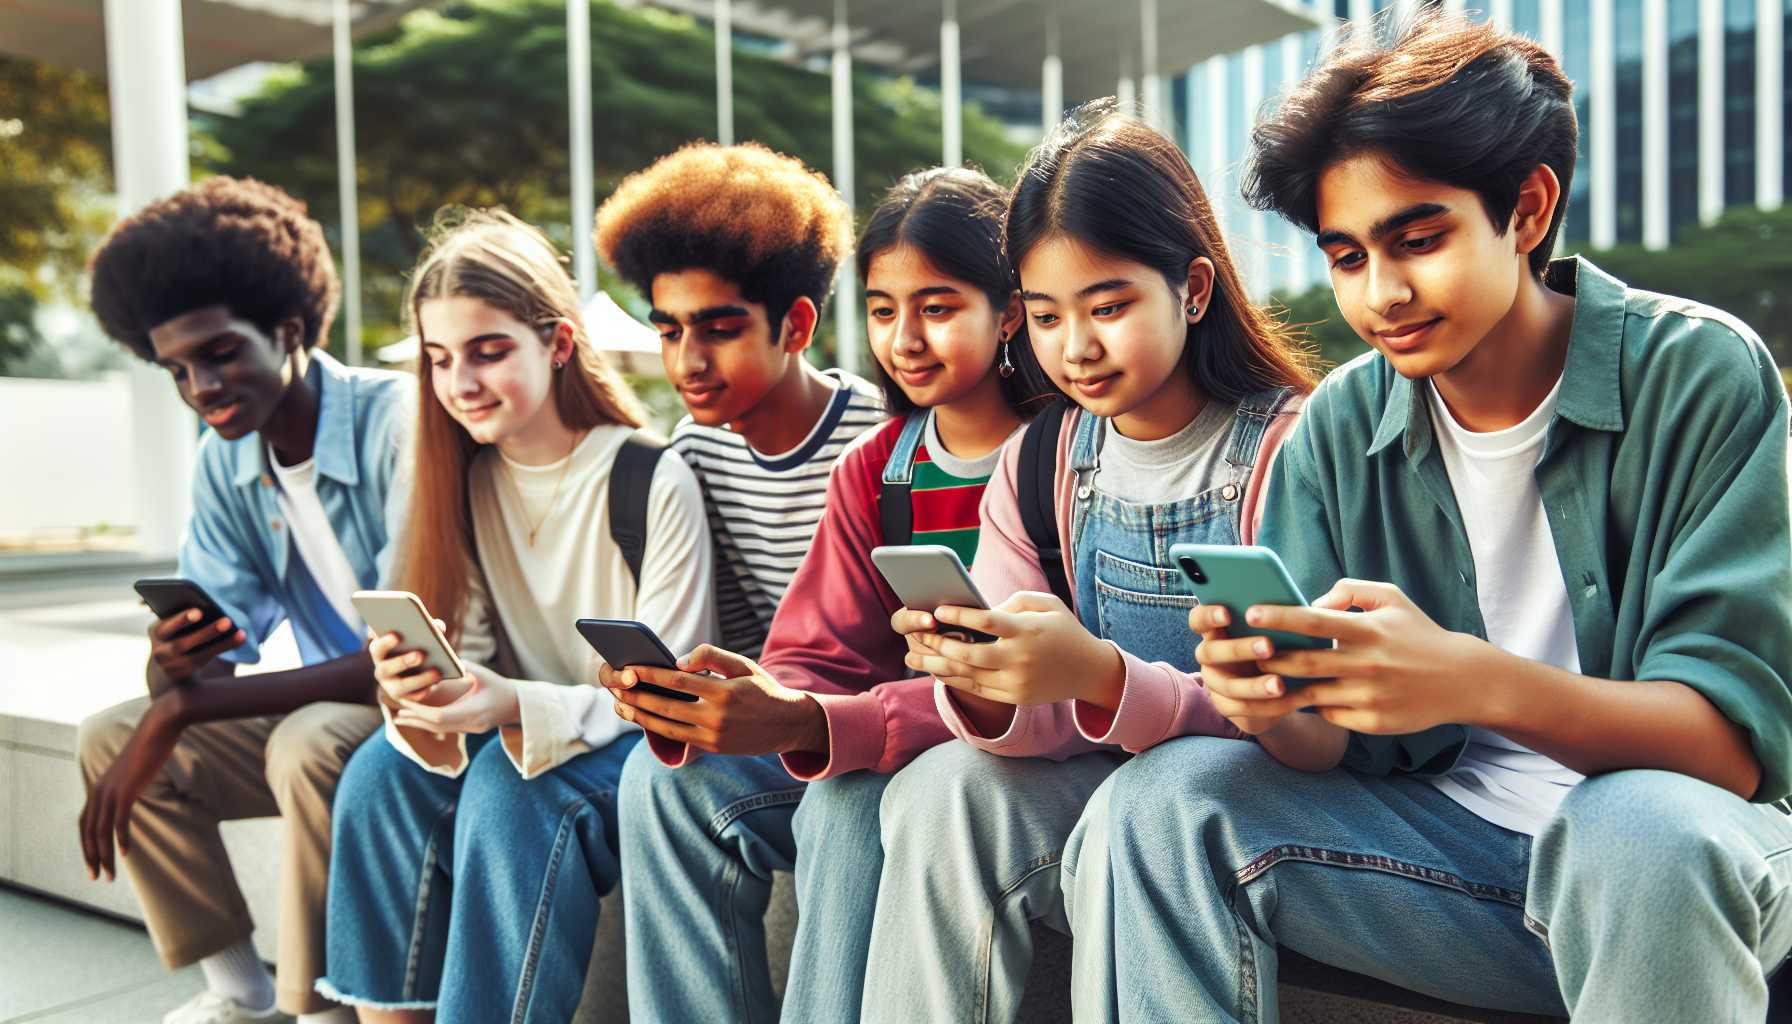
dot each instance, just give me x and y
(238, 975)
(334, 1015)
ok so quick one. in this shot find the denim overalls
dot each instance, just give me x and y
(1125, 591)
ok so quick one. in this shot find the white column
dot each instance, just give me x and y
(147, 81)
(724, 18)
(1051, 75)
(578, 66)
(1455, 6)
(1362, 12)
(1602, 151)
(1213, 178)
(1150, 83)
(348, 192)
(1125, 88)
(1500, 13)
(1770, 110)
(1655, 124)
(1549, 13)
(846, 300)
(951, 92)
(1255, 238)
(1193, 85)
(1711, 110)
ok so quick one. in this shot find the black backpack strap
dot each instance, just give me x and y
(1036, 480)
(895, 513)
(631, 480)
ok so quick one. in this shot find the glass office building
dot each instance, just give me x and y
(1683, 106)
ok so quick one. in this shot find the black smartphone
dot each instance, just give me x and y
(168, 596)
(625, 642)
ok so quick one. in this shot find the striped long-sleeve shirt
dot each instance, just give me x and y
(763, 509)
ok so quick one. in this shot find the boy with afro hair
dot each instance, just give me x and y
(1544, 766)
(737, 247)
(229, 286)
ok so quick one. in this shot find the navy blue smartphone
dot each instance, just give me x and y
(625, 642)
(1238, 577)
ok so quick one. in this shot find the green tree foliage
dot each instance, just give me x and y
(467, 104)
(55, 171)
(1742, 265)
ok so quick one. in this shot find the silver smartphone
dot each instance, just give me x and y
(401, 612)
(926, 576)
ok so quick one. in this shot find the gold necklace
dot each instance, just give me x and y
(552, 498)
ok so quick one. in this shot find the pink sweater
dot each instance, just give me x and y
(831, 635)
(1158, 701)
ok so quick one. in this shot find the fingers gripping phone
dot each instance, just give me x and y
(401, 612)
(1238, 577)
(926, 576)
(168, 596)
(625, 642)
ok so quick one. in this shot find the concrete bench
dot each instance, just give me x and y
(67, 657)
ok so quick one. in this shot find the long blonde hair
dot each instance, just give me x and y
(511, 266)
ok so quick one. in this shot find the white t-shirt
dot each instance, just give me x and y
(1524, 604)
(316, 539)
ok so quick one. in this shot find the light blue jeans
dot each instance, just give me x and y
(474, 895)
(698, 854)
(971, 848)
(1650, 896)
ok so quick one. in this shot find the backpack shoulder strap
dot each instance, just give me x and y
(895, 513)
(1036, 482)
(631, 481)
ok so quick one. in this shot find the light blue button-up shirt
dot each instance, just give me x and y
(238, 545)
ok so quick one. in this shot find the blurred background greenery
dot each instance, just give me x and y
(470, 104)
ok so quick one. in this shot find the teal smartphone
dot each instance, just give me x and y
(1238, 577)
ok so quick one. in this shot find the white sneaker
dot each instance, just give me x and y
(212, 1008)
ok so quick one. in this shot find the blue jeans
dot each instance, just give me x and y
(493, 874)
(698, 855)
(1650, 896)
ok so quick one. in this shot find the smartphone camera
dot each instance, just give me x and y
(1192, 569)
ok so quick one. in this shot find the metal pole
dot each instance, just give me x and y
(951, 93)
(1051, 88)
(1711, 110)
(1770, 110)
(846, 309)
(348, 192)
(1149, 82)
(147, 81)
(725, 72)
(578, 67)
(1655, 124)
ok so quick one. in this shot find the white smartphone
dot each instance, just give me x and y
(402, 612)
(926, 576)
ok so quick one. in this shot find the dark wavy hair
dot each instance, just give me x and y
(232, 242)
(1448, 101)
(1114, 184)
(952, 216)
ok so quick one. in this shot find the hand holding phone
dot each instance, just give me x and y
(1239, 577)
(928, 576)
(625, 642)
(409, 652)
(190, 629)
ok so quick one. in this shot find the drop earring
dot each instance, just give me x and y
(1006, 366)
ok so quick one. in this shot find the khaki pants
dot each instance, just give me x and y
(222, 771)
